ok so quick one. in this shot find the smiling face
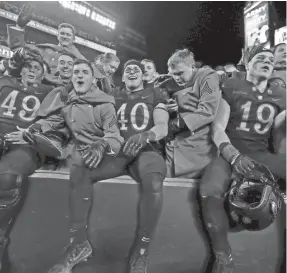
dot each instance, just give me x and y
(133, 77)
(65, 66)
(82, 78)
(261, 65)
(65, 36)
(32, 72)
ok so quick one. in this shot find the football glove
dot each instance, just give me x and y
(94, 154)
(26, 15)
(49, 143)
(136, 142)
(241, 164)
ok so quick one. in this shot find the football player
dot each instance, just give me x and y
(142, 120)
(19, 101)
(254, 104)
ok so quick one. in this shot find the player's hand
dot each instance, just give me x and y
(171, 105)
(137, 142)
(15, 138)
(28, 135)
(25, 15)
(94, 154)
(243, 164)
(35, 128)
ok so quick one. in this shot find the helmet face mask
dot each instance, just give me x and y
(254, 202)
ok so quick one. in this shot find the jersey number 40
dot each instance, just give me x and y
(139, 109)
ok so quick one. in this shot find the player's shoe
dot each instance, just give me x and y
(5, 265)
(138, 261)
(223, 263)
(74, 254)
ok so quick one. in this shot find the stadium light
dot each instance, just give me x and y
(86, 11)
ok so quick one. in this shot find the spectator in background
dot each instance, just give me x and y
(230, 69)
(279, 73)
(107, 64)
(150, 74)
(64, 70)
(50, 52)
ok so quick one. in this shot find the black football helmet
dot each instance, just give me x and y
(254, 200)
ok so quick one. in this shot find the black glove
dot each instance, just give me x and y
(26, 15)
(241, 164)
(137, 142)
(21, 55)
(94, 154)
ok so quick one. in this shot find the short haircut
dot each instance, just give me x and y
(149, 61)
(66, 53)
(278, 46)
(88, 63)
(181, 56)
(66, 25)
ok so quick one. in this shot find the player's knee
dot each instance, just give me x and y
(152, 183)
(209, 190)
(10, 189)
(10, 181)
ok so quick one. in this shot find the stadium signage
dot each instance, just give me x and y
(86, 11)
(281, 35)
(5, 52)
(53, 31)
(256, 24)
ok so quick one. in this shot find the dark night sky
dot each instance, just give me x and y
(213, 30)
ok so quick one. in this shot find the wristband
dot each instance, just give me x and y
(228, 152)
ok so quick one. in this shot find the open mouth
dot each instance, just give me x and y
(266, 68)
(31, 77)
(80, 83)
(132, 77)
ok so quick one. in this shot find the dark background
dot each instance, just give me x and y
(213, 30)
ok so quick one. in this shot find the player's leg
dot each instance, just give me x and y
(80, 202)
(212, 187)
(15, 167)
(150, 170)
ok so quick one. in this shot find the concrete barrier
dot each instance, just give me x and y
(41, 231)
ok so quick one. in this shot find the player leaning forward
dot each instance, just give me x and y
(143, 121)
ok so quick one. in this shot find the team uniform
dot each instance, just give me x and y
(135, 115)
(249, 129)
(18, 107)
